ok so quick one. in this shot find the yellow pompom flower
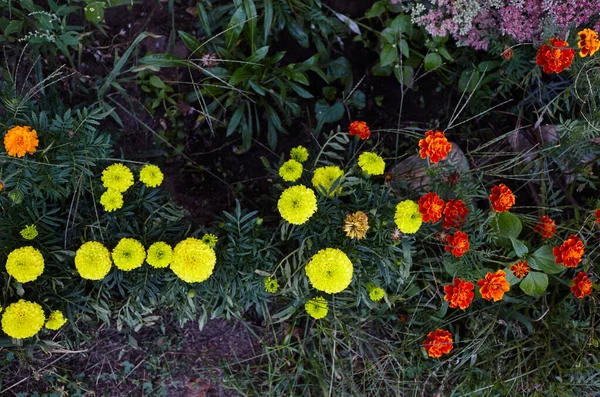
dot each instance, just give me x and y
(290, 171)
(317, 307)
(408, 218)
(330, 270)
(111, 200)
(92, 261)
(117, 177)
(299, 153)
(29, 232)
(297, 204)
(25, 264)
(20, 140)
(159, 255)
(210, 240)
(324, 178)
(375, 293)
(371, 163)
(151, 175)
(56, 320)
(22, 319)
(271, 285)
(129, 254)
(193, 261)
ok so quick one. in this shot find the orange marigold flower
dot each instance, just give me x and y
(552, 58)
(597, 215)
(457, 244)
(493, 286)
(455, 213)
(431, 206)
(588, 43)
(438, 343)
(20, 140)
(545, 227)
(460, 294)
(520, 269)
(361, 129)
(435, 145)
(502, 198)
(582, 285)
(570, 252)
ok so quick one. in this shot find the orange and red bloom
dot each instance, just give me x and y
(361, 129)
(431, 207)
(435, 145)
(502, 198)
(597, 215)
(438, 343)
(570, 252)
(20, 140)
(520, 269)
(588, 42)
(546, 227)
(455, 213)
(553, 58)
(582, 285)
(460, 294)
(457, 244)
(493, 286)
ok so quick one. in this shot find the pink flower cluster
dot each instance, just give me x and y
(474, 23)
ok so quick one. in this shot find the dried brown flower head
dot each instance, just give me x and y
(356, 225)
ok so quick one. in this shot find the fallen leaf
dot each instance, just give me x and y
(197, 388)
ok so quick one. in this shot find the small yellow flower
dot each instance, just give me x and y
(111, 200)
(356, 225)
(317, 307)
(290, 171)
(29, 232)
(375, 293)
(299, 153)
(92, 261)
(210, 240)
(20, 140)
(193, 261)
(408, 218)
(324, 178)
(297, 204)
(330, 270)
(151, 175)
(371, 163)
(271, 285)
(25, 264)
(23, 319)
(117, 177)
(56, 320)
(159, 255)
(129, 254)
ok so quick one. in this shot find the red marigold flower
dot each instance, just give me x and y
(502, 198)
(457, 244)
(455, 213)
(545, 227)
(431, 206)
(435, 145)
(582, 285)
(438, 343)
(597, 215)
(361, 129)
(570, 252)
(520, 269)
(493, 286)
(552, 58)
(460, 294)
(588, 43)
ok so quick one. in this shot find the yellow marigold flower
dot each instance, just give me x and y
(330, 270)
(317, 307)
(290, 171)
(299, 153)
(375, 293)
(129, 254)
(297, 204)
(193, 261)
(92, 261)
(117, 177)
(25, 264)
(588, 42)
(210, 240)
(271, 285)
(22, 319)
(20, 140)
(29, 232)
(371, 163)
(159, 255)
(324, 178)
(151, 175)
(55, 320)
(356, 225)
(111, 200)
(408, 218)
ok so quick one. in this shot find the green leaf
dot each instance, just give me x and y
(235, 120)
(358, 99)
(94, 11)
(402, 24)
(268, 21)
(432, 61)
(329, 92)
(544, 260)
(14, 26)
(298, 32)
(250, 10)
(404, 49)
(519, 247)
(155, 81)
(535, 283)
(203, 15)
(444, 52)
(164, 61)
(235, 27)
(190, 41)
(376, 10)
(389, 55)
(258, 55)
(509, 225)
(468, 80)
(327, 114)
